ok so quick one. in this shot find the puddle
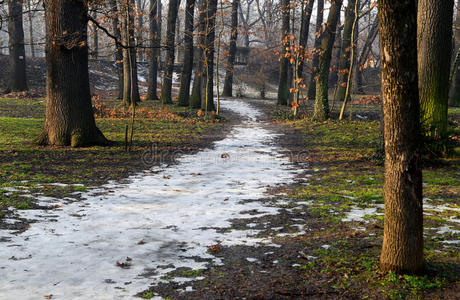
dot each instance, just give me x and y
(116, 246)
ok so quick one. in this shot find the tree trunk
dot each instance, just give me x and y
(455, 98)
(130, 86)
(321, 100)
(434, 37)
(118, 49)
(304, 31)
(195, 99)
(17, 58)
(335, 56)
(140, 33)
(153, 52)
(344, 62)
(228, 83)
(283, 86)
(365, 55)
(186, 76)
(69, 118)
(170, 39)
(317, 44)
(402, 249)
(31, 31)
(207, 81)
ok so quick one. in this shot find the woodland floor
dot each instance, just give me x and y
(326, 236)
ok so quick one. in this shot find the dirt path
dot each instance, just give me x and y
(113, 245)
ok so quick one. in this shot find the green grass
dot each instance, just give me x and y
(22, 163)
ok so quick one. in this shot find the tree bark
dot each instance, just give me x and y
(195, 98)
(283, 86)
(317, 44)
(434, 37)
(321, 111)
(17, 57)
(166, 87)
(402, 249)
(228, 83)
(304, 31)
(344, 62)
(207, 81)
(69, 118)
(186, 75)
(140, 33)
(130, 85)
(153, 52)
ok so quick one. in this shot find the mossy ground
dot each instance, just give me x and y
(27, 169)
(328, 257)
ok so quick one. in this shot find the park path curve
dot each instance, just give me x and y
(165, 218)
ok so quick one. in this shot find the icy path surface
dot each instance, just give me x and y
(162, 220)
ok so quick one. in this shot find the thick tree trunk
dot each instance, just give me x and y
(166, 87)
(228, 83)
(207, 82)
(434, 36)
(344, 62)
(304, 31)
(130, 86)
(283, 86)
(31, 30)
(317, 44)
(335, 57)
(154, 52)
(402, 249)
(365, 55)
(321, 111)
(455, 95)
(69, 116)
(186, 75)
(195, 98)
(17, 58)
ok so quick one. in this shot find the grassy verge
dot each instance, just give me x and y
(348, 184)
(27, 169)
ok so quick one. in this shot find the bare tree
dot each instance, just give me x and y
(402, 249)
(69, 119)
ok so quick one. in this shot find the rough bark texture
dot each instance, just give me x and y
(402, 249)
(304, 31)
(69, 116)
(283, 86)
(187, 65)
(207, 81)
(321, 100)
(434, 37)
(344, 62)
(140, 26)
(317, 44)
(17, 58)
(455, 98)
(228, 83)
(195, 98)
(365, 55)
(154, 52)
(130, 86)
(118, 49)
(166, 86)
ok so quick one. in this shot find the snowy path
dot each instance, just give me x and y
(159, 219)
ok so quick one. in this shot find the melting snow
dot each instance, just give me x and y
(153, 221)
